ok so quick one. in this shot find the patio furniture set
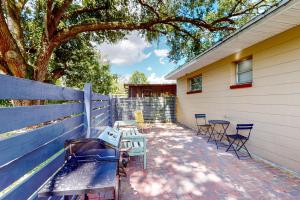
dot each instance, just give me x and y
(216, 131)
(94, 165)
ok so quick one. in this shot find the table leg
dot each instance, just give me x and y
(223, 133)
(212, 132)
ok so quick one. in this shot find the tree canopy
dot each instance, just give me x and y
(32, 30)
(77, 62)
(138, 78)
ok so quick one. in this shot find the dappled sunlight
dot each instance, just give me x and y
(181, 165)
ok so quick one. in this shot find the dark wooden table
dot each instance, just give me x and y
(85, 177)
(224, 126)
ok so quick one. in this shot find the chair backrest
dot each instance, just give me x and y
(200, 117)
(244, 127)
(138, 115)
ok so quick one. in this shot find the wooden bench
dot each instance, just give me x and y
(135, 142)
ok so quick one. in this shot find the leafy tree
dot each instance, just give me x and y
(31, 30)
(138, 78)
(77, 62)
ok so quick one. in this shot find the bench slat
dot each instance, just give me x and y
(19, 117)
(29, 141)
(16, 169)
(17, 88)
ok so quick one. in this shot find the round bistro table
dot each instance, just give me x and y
(224, 124)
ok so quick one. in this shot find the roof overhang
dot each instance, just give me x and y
(278, 19)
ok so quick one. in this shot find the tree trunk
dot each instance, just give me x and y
(10, 52)
(27, 102)
(41, 70)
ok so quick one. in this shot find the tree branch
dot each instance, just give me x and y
(14, 14)
(84, 10)
(54, 16)
(234, 14)
(66, 34)
(57, 73)
(9, 49)
(183, 31)
(149, 7)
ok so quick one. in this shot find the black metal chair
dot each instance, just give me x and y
(202, 125)
(242, 135)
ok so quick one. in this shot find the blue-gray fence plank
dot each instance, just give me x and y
(27, 188)
(17, 88)
(99, 119)
(96, 96)
(104, 122)
(97, 104)
(19, 117)
(29, 141)
(19, 167)
(100, 111)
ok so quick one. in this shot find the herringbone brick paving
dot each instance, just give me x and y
(183, 166)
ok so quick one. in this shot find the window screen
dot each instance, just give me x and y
(196, 83)
(244, 71)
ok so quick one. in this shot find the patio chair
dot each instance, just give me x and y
(242, 135)
(202, 125)
(142, 125)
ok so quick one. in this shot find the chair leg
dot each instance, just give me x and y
(201, 131)
(145, 154)
(215, 139)
(244, 146)
(231, 145)
(205, 131)
(210, 134)
(198, 132)
(145, 161)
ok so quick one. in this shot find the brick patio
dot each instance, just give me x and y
(183, 166)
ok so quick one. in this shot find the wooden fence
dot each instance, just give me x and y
(32, 137)
(155, 109)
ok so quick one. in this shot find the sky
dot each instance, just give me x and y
(135, 53)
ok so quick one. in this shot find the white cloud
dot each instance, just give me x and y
(161, 61)
(153, 78)
(124, 79)
(128, 51)
(149, 68)
(161, 52)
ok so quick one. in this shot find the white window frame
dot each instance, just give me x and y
(237, 71)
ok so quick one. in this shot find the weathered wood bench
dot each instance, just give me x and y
(135, 142)
(37, 151)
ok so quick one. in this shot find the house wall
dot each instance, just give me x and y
(272, 103)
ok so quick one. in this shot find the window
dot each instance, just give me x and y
(244, 71)
(195, 83)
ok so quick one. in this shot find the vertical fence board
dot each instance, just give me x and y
(88, 108)
(155, 109)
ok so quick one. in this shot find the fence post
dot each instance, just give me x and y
(110, 113)
(88, 108)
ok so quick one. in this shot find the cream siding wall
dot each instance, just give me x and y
(272, 104)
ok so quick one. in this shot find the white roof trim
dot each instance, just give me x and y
(278, 19)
